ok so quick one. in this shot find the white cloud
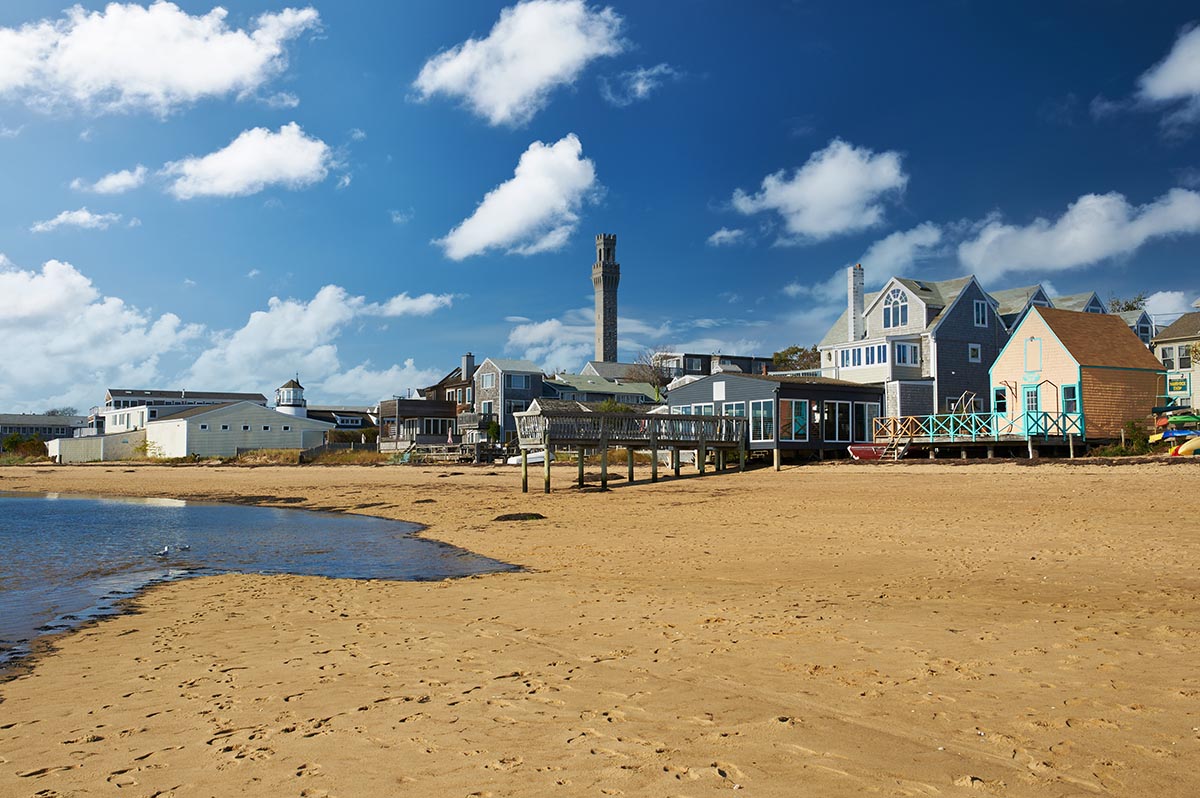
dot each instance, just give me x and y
(1169, 303)
(75, 342)
(282, 100)
(888, 257)
(131, 57)
(1176, 79)
(344, 181)
(404, 305)
(839, 190)
(114, 182)
(10, 132)
(636, 84)
(365, 385)
(400, 217)
(357, 134)
(535, 211)
(896, 254)
(1094, 228)
(534, 48)
(296, 335)
(726, 237)
(188, 282)
(257, 158)
(253, 273)
(80, 218)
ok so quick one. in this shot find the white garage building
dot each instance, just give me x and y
(224, 430)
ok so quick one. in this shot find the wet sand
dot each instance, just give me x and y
(833, 630)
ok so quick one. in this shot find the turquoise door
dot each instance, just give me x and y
(1032, 408)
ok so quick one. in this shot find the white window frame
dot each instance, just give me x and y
(287, 428)
(981, 313)
(837, 405)
(204, 427)
(266, 427)
(1184, 353)
(487, 380)
(245, 428)
(974, 353)
(703, 409)
(868, 433)
(737, 409)
(895, 309)
(224, 428)
(763, 425)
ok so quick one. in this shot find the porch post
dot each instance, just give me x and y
(775, 451)
(1071, 446)
(653, 450)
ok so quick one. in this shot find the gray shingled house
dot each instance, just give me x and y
(929, 344)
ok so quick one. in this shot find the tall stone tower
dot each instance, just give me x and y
(606, 274)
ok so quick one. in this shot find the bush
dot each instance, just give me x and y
(613, 406)
(23, 446)
(1137, 442)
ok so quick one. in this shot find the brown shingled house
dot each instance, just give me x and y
(1089, 369)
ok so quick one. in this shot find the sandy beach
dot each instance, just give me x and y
(835, 630)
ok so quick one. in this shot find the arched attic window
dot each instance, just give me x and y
(895, 309)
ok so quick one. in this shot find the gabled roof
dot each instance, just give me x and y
(608, 370)
(1186, 326)
(1075, 301)
(509, 364)
(42, 420)
(1131, 317)
(586, 383)
(1013, 300)
(1097, 339)
(291, 384)
(938, 294)
(546, 406)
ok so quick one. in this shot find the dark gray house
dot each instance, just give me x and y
(504, 386)
(813, 415)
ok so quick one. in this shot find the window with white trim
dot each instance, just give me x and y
(266, 427)
(981, 314)
(908, 355)
(975, 353)
(1168, 356)
(895, 309)
(487, 380)
(518, 382)
(762, 420)
(793, 419)
(702, 409)
(515, 406)
(204, 427)
(734, 409)
(1185, 357)
(836, 422)
(224, 428)
(881, 352)
(693, 364)
(485, 407)
(287, 428)
(245, 428)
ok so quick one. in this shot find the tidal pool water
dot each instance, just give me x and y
(68, 559)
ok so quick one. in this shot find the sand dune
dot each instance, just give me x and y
(829, 631)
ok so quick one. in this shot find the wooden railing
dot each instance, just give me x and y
(957, 427)
(622, 429)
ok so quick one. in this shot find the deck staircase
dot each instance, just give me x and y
(895, 449)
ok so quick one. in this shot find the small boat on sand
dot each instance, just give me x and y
(534, 457)
(877, 451)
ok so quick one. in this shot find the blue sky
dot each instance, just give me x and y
(361, 192)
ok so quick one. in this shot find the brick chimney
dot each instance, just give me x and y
(856, 324)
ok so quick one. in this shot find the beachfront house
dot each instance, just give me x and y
(1064, 372)
(504, 386)
(404, 423)
(1083, 302)
(126, 410)
(1176, 348)
(1013, 303)
(457, 386)
(616, 372)
(800, 416)
(29, 425)
(929, 344)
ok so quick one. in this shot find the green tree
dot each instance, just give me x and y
(797, 357)
(1118, 305)
(61, 411)
(611, 405)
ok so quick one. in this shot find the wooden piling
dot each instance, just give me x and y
(653, 452)
(580, 466)
(675, 460)
(629, 457)
(524, 470)
(776, 454)
(1071, 446)
(546, 459)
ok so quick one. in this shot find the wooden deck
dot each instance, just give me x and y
(549, 430)
(982, 428)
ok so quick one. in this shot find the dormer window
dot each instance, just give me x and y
(895, 309)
